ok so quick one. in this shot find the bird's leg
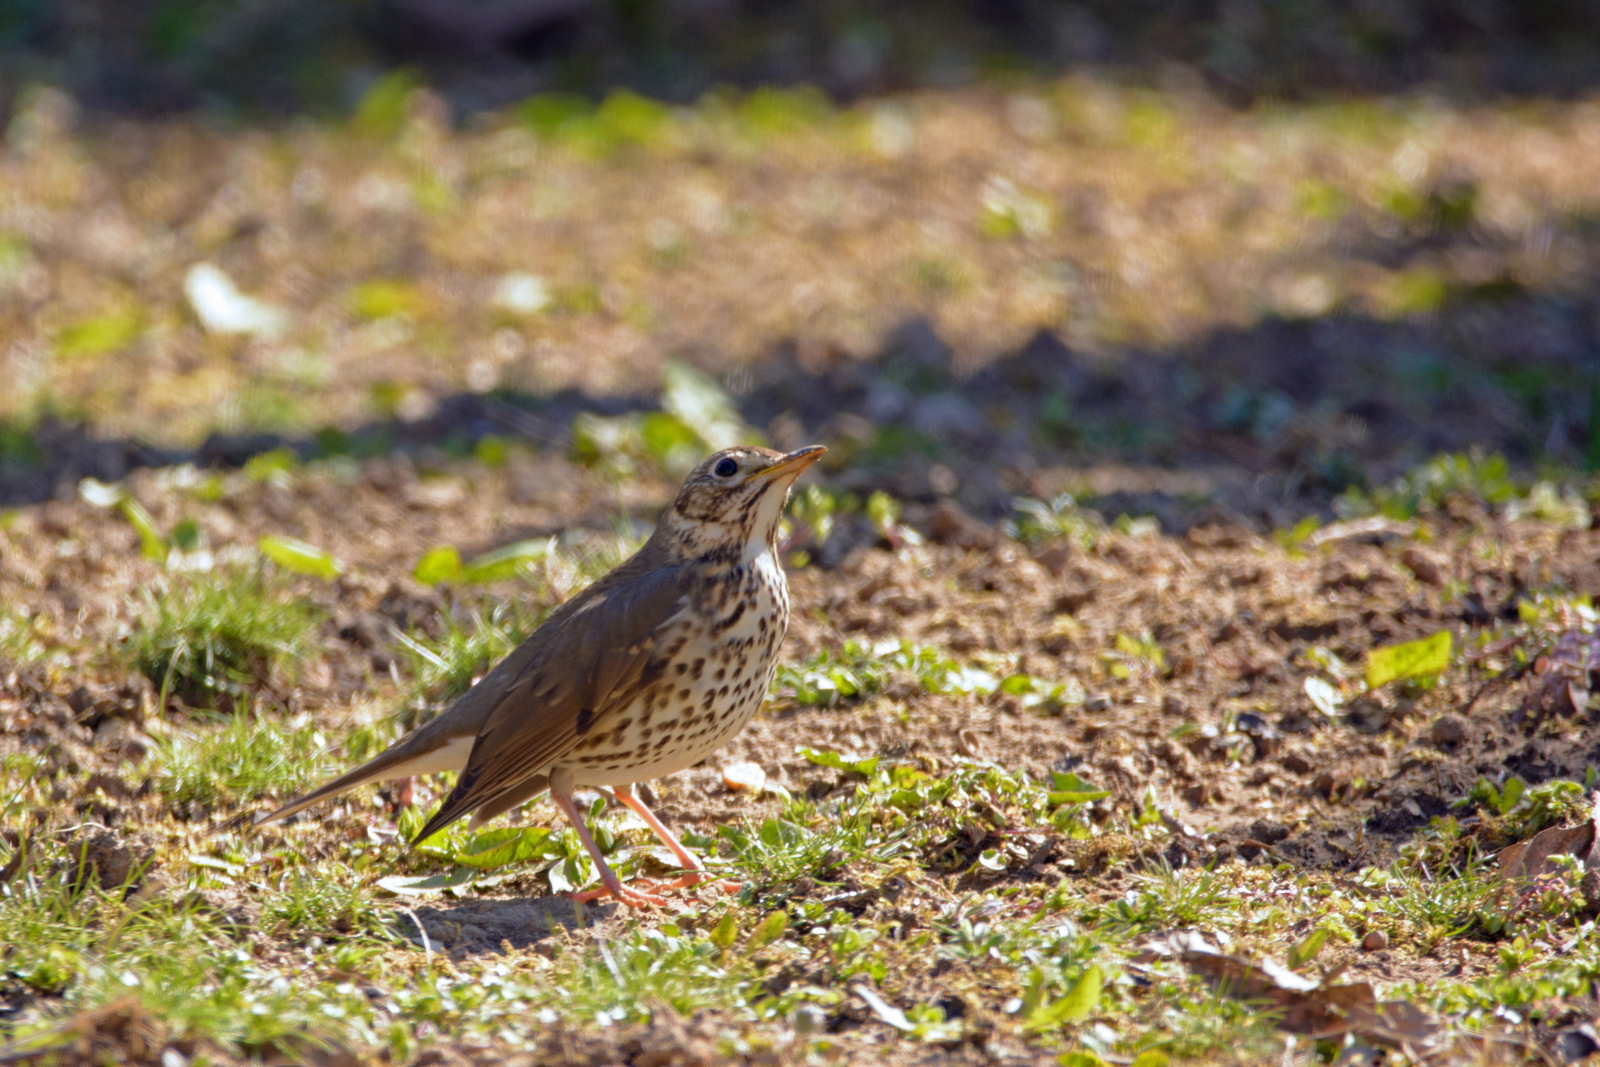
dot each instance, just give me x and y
(697, 870)
(608, 878)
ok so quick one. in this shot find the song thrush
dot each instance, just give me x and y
(647, 671)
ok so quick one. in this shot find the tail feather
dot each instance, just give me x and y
(399, 761)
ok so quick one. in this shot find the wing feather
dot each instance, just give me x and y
(596, 657)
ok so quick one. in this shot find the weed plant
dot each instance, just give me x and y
(211, 639)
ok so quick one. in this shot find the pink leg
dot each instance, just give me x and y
(685, 858)
(608, 878)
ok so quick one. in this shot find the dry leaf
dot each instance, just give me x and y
(1528, 860)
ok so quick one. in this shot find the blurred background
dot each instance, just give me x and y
(1249, 258)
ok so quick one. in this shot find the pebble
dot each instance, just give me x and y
(1427, 566)
(744, 775)
(1375, 941)
(1447, 731)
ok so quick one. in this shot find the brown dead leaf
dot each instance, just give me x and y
(1528, 860)
(1396, 1023)
(1315, 1007)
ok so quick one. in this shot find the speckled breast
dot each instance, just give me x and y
(721, 655)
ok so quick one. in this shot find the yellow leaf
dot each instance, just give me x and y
(1414, 659)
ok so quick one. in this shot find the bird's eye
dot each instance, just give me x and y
(727, 468)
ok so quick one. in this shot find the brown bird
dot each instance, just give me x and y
(647, 671)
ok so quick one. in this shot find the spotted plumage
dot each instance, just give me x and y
(648, 671)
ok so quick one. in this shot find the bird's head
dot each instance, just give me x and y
(731, 503)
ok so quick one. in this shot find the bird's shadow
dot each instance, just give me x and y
(483, 925)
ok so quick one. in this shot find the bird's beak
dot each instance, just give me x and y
(791, 465)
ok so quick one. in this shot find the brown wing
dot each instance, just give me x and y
(584, 664)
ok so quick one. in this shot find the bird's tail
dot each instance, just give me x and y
(400, 761)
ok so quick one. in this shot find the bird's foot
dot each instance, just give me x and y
(626, 894)
(695, 879)
(646, 892)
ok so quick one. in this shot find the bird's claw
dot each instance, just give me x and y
(624, 894)
(640, 893)
(695, 879)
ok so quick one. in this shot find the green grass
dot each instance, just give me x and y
(235, 761)
(328, 902)
(1062, 518)
(443, 668)
(858, 670)
(1485, 480)
(20, 643)
(82, 947)
(213, 638)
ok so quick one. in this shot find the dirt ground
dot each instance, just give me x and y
(1223, 735)
(1116, 386)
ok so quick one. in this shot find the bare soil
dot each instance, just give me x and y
(1224, 736)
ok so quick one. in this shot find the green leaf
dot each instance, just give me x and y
(1293, 537)
(567, 875)
(1080, 1059)
(726, 931)
(186, 536)
(505, 562)
(1414, 659)
(768, 930)
(151, 543)
(1151, 1057)
(272, 467)
(700, 403)
(299, 557)
(1510, 794)
(437, 565)
(1306, 951)
(99, 335)
(436, 883)
(670, 441)
(839, 763)
(381, 112)
(1016, 684)
(1074, 1007)
(497, 848)
(385, 298)
(1070, 789)
(882, 510)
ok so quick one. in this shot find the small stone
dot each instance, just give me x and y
(1447, 731)
(1054, 557)
(1097, 702)
(112, 859)
(1375, 941)
(1367, 715)
(1428, 567)
(902, 685)
(949, 525)
(744, 775)
(1268, 831)
(122, 738)
(1589, 888)
(1070, 603)
(1263, 736)
(808, 1019)
(1296, 763)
